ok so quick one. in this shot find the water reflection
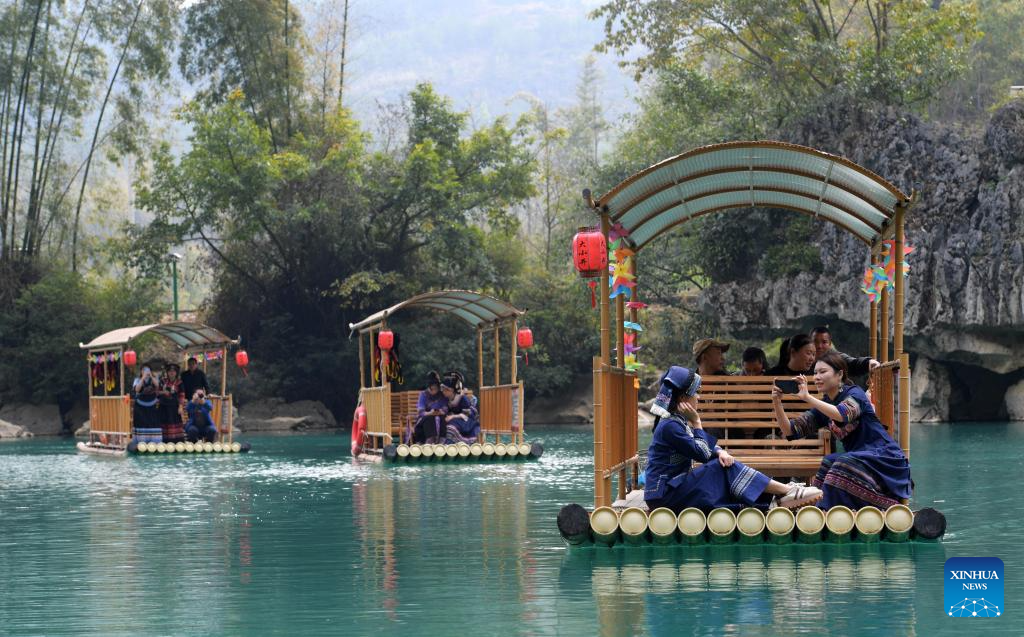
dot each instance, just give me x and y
(750, 589)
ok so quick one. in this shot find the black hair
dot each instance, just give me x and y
(821, 329)
(799, 341)
(454, 380)
(752, 354)
(784, 354)
(433, 378)
(836, 362)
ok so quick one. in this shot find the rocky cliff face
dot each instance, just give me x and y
(965, 309)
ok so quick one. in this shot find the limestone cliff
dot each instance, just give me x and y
(965, 308)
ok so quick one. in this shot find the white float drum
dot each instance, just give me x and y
(662, 524)
(780, 523)
(604, 524)
(721, 525)
(691, 523)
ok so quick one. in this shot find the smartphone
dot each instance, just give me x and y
(787, 386)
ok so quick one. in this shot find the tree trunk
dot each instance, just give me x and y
(96, 134)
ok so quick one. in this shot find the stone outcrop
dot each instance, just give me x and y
(40, 420)
(273, 415)
(10, 431)
(966, 284)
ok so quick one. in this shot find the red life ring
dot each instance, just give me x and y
(358, 429)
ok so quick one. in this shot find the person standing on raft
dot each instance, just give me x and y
(872, 470)
(721, 481)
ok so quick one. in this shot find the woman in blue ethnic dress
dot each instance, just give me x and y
(463, 417)
(872, 470)
(679, 440)
(430, 412)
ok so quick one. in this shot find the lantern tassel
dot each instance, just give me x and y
(593, 294)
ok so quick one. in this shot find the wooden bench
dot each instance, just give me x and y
(741, 406)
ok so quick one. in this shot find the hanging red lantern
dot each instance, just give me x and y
(242, 360)
(385, 341)
(524, 338)
(590, 253)
(130, 358)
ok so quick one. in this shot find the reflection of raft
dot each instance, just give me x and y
(635, 526)
(462, 452)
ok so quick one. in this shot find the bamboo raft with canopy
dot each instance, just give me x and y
(382, 425)
(111, 411)
(737, 176)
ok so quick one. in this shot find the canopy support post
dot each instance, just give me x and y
(873, 321)
(605, 313)
(497, 355)
(620, 332)
(480, 357)
(373, 357)
(897, 257)
(362, 363)
(224, 371)
(883, 332)
(120, 361)
(515, 351)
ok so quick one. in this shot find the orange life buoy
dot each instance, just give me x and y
(358, 429)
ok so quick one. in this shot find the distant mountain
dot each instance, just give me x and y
(481, 53)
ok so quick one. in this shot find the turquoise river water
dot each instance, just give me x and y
(297, 539)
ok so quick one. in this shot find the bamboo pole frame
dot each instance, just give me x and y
(605, 318)
(897, 257)
(515, 351)
(373, 356)
(224, 371)
(883, 332)
(904, 403)
(480, 356)
(873, 320)
(362, 363)
(497, 355)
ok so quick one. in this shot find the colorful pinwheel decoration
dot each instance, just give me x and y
(881, 276)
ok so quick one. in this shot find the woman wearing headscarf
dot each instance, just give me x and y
(720, 480)
(430, 411)
(172, 399)
(146, 415)
(463, 418)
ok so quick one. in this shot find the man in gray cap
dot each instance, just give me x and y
(709, 354)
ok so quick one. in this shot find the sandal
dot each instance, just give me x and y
(799, 496)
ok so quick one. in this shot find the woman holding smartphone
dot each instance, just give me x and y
(873, 469)
(679, 440)
(430, 411)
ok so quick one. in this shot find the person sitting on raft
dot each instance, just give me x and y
(146, 416)
(430, 411)
(463, 417)
(721, 481)
(872, 470)
(821, 336)
(796, 356)
(200, 423)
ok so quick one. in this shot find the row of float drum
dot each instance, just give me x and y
(461, 451)
(188, 447)
(750, 526)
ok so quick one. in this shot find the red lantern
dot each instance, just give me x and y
(130, 358)
(242, 358)
(385, 341)
(525, 337)
(590, 253)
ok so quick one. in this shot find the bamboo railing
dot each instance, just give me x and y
(111, 418)
(377, 401)
(501, 412)
(615, 429)
(889, 384)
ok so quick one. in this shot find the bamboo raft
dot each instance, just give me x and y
(461, 452)
(635, 526)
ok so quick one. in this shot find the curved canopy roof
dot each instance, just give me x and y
(472, 307)
(747, 174)
(184, 335)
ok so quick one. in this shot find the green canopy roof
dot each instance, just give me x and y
(753, 174)
(183, 334)
(472, 307)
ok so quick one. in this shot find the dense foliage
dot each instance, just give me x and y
(302, 220)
